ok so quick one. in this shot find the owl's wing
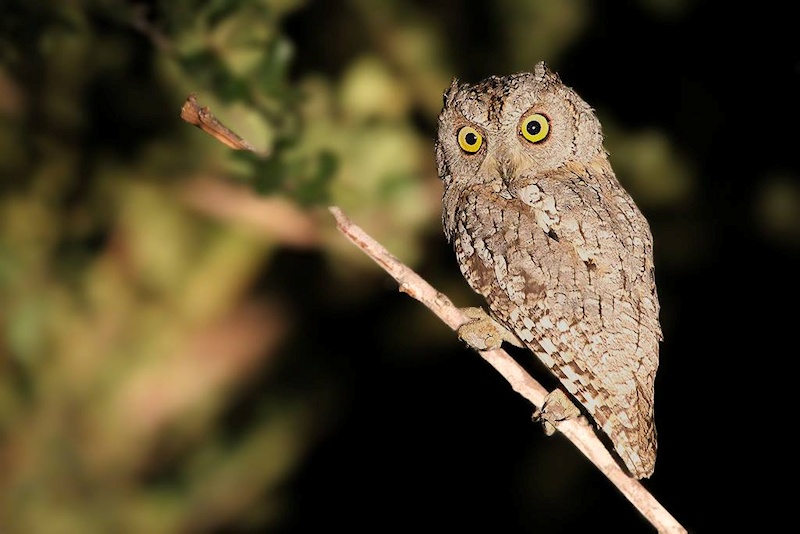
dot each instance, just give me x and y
(566, 264)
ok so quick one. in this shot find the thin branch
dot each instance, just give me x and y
(580, 434)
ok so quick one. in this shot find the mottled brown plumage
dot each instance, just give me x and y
(545, 232)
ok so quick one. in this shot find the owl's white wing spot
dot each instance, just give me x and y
(500, 268)
(547, 346)
(571, 375)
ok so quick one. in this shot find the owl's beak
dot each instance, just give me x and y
(507, 169)
(504, 165)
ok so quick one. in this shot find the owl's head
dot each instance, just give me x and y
(513, 126)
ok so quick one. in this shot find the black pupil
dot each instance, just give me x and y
(471, 138)
(534, 127)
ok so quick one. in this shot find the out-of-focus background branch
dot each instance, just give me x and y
(187, 344)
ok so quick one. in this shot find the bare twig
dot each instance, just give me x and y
(580, 434)
(202, 117)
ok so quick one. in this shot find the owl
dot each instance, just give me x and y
(543, 230)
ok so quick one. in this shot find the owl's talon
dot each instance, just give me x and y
(557, 407)
(482, 332)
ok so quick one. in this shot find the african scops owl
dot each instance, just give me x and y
(546, 234)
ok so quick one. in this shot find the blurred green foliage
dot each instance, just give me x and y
(134, 319)
(127, 328)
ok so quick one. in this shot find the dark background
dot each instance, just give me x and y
(450, 446)
(404, 427)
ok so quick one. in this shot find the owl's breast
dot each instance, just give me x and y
(558, 248)
(499, 246)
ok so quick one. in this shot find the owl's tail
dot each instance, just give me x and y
(633, 435)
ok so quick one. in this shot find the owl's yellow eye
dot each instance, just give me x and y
(535, 127)
(469, 139)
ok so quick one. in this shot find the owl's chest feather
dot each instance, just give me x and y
(504, 245)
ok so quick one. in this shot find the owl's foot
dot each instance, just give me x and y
(557, 407)
(482, 332)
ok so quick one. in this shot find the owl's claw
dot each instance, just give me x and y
(557, 407)
(482, 332)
